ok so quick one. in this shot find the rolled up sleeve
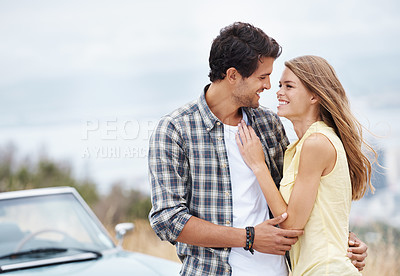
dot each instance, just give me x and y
(169, 177)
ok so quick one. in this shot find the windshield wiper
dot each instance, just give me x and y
(39, 251)
(44, 251)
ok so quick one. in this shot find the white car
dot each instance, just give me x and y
(52, 231)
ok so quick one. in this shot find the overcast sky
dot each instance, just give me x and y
(69, 68)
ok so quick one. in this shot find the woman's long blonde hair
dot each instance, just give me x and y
(319, 77)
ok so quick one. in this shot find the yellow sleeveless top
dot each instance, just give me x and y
(322, 250)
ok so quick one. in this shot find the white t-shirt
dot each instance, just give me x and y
(249, 209)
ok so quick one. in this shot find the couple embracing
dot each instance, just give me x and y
(230, 191)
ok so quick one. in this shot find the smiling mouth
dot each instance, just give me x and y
(281, 102)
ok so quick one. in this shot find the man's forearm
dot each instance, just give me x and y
(268, 238)
(206, 234)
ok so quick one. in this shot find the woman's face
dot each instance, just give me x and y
(294, 99)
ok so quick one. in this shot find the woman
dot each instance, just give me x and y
(323, 171)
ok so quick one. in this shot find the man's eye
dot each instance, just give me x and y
(262, 78)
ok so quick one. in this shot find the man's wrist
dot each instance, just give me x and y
(250, 232)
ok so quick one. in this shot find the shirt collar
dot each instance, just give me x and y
(250, 115)
(208, 117)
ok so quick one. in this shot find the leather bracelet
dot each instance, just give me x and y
(249, 239)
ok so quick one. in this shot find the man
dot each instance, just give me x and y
(203, 194)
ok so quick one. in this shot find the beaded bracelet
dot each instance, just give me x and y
(249, 239)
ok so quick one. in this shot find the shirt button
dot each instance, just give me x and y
(228, 222)
(227, 194)
(224, 165)
(219, 138)
(226, 249)
(226, 269)
(208, 129)
(218, 123)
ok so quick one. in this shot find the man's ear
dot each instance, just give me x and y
(232, 75)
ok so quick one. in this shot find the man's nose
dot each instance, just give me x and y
(267, 84)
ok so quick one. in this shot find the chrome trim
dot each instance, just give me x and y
(36, 192)
(59, 260)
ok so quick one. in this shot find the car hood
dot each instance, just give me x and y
(120, 263)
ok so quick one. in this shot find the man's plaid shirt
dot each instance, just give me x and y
(189, 174)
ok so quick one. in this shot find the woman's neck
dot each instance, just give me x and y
(302, 125)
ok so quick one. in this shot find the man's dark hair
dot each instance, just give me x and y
(240, 45)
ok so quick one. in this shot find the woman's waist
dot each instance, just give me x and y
(325, 266)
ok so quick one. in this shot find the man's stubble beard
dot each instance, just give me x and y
(242, 98)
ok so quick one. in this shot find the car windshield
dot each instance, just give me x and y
(48, 221)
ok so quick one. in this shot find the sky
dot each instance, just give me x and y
(87, 81)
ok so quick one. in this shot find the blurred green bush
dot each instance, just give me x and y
(118, 205)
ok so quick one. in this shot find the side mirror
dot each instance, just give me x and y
(121, 229)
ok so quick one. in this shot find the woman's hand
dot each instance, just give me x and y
(250, 147)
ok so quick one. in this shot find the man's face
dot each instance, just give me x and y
(247, 91)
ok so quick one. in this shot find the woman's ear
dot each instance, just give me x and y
(314, 98)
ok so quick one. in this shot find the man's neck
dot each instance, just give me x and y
(219, 100)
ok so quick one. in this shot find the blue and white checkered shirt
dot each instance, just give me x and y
(189, 175)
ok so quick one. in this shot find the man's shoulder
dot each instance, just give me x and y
(185, 110)
(179, 115)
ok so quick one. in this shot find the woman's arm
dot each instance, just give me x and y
(317, 157)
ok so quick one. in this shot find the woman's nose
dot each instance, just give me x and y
(279, 93)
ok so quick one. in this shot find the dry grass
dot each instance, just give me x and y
(382, 260)
(383, 257)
